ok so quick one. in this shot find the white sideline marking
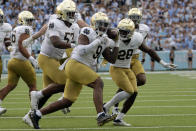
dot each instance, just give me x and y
(52, 117)
(141, 92)
(103, 128)
(171, 100)
(109, 96)
(80, 108)
(115, 88)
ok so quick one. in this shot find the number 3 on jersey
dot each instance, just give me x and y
(125, 54)
(98, 52)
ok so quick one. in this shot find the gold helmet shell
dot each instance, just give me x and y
(126, 28)
(25, 18)
(98, 20)
(1, 16)
(66, 11)
(135, 15)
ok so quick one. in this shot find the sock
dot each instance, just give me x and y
(120, 116)
(115, 108)
(99, 114)
(117, 98)
(38, 113)
(40, 94)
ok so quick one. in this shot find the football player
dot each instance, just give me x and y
(61, 32)
(121, 73)
(20, 64)
(5, 33)
(135, 15)
(60, 10)
(92, 43)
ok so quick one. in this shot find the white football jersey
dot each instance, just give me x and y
(144, 30)
(5, 32)
(126, 50)
(58, 28)
(90, 58)
(53, 16)
(16, 33)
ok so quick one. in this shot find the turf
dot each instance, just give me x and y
(166, 103)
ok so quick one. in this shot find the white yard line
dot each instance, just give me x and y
(94, 116)
(141, 92)
(109, 96)
(170, 100)
(104, 128)
(92, 107)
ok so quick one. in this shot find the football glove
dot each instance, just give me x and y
(10, 48)
(168, 65)
(33, 62)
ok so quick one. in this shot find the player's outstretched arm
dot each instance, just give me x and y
(82, 24)
(41, 32)
(155, 56)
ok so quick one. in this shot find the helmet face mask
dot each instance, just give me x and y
(125, 34)
(29, 22)
(126, 29)
(135, 15)
(135, 18)
(100, 23)
(68, 16)
(66, 11)
(101, 26)
(1, 17)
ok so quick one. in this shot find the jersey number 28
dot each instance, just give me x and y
(125, 54)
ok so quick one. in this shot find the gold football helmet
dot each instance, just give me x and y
(66, 11)
(1, 16)
(100, 22)
(25, 18)
(126, 28)
(135, 15)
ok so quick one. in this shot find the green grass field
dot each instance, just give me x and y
(166, 103)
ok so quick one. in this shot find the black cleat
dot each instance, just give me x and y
(104, 118)
(35, 119)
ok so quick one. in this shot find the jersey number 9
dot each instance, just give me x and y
(98, 52)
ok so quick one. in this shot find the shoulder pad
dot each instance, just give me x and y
(144, 27)
(8, 27)
(54, 16)
(138, 38)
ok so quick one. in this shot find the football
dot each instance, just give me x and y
(112, 34)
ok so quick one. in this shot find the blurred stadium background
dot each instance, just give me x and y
(172, 23)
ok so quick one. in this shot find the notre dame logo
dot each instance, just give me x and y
(86, 31)
(27, 31)
(51, 25)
